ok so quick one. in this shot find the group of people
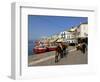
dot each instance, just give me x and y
(60, 51)
(82, 47)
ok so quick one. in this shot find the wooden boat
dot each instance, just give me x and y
(52, 48)
(41, 47)
(39, 50)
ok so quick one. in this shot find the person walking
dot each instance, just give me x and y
(59, 52)
(84, 47)
(64, 46)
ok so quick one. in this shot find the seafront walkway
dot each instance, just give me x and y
(48, 58)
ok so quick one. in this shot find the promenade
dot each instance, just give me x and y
(48, 58)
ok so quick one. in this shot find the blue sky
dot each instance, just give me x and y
(39, 26)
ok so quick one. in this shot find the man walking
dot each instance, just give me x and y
(59, 52)
(84, 47)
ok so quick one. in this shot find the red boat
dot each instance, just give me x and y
(39, 50)
(41, 47)
(52, 48)
(43, 50)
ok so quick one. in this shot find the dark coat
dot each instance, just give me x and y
(58, 49)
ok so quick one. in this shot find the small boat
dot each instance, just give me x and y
(39, 50)
(52, 48)
(41, 47)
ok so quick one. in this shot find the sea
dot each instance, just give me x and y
(30, 47)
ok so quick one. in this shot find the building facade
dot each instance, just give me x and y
(82, 33)
(82, 30)
(69, 36)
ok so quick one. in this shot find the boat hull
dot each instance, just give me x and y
(52, 49)
(38, 50)
(43, 50)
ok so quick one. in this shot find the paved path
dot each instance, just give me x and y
(43, 55)
(74, 57)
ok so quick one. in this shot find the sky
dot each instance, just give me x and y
(42, 26)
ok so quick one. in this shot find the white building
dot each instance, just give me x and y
(68, 37)
(82, 30)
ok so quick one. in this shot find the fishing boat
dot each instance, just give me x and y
(52, 48)
(42, 47)
(39, 47)
(43, 50)
(39, 50)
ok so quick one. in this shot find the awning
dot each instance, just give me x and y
(60, 40)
